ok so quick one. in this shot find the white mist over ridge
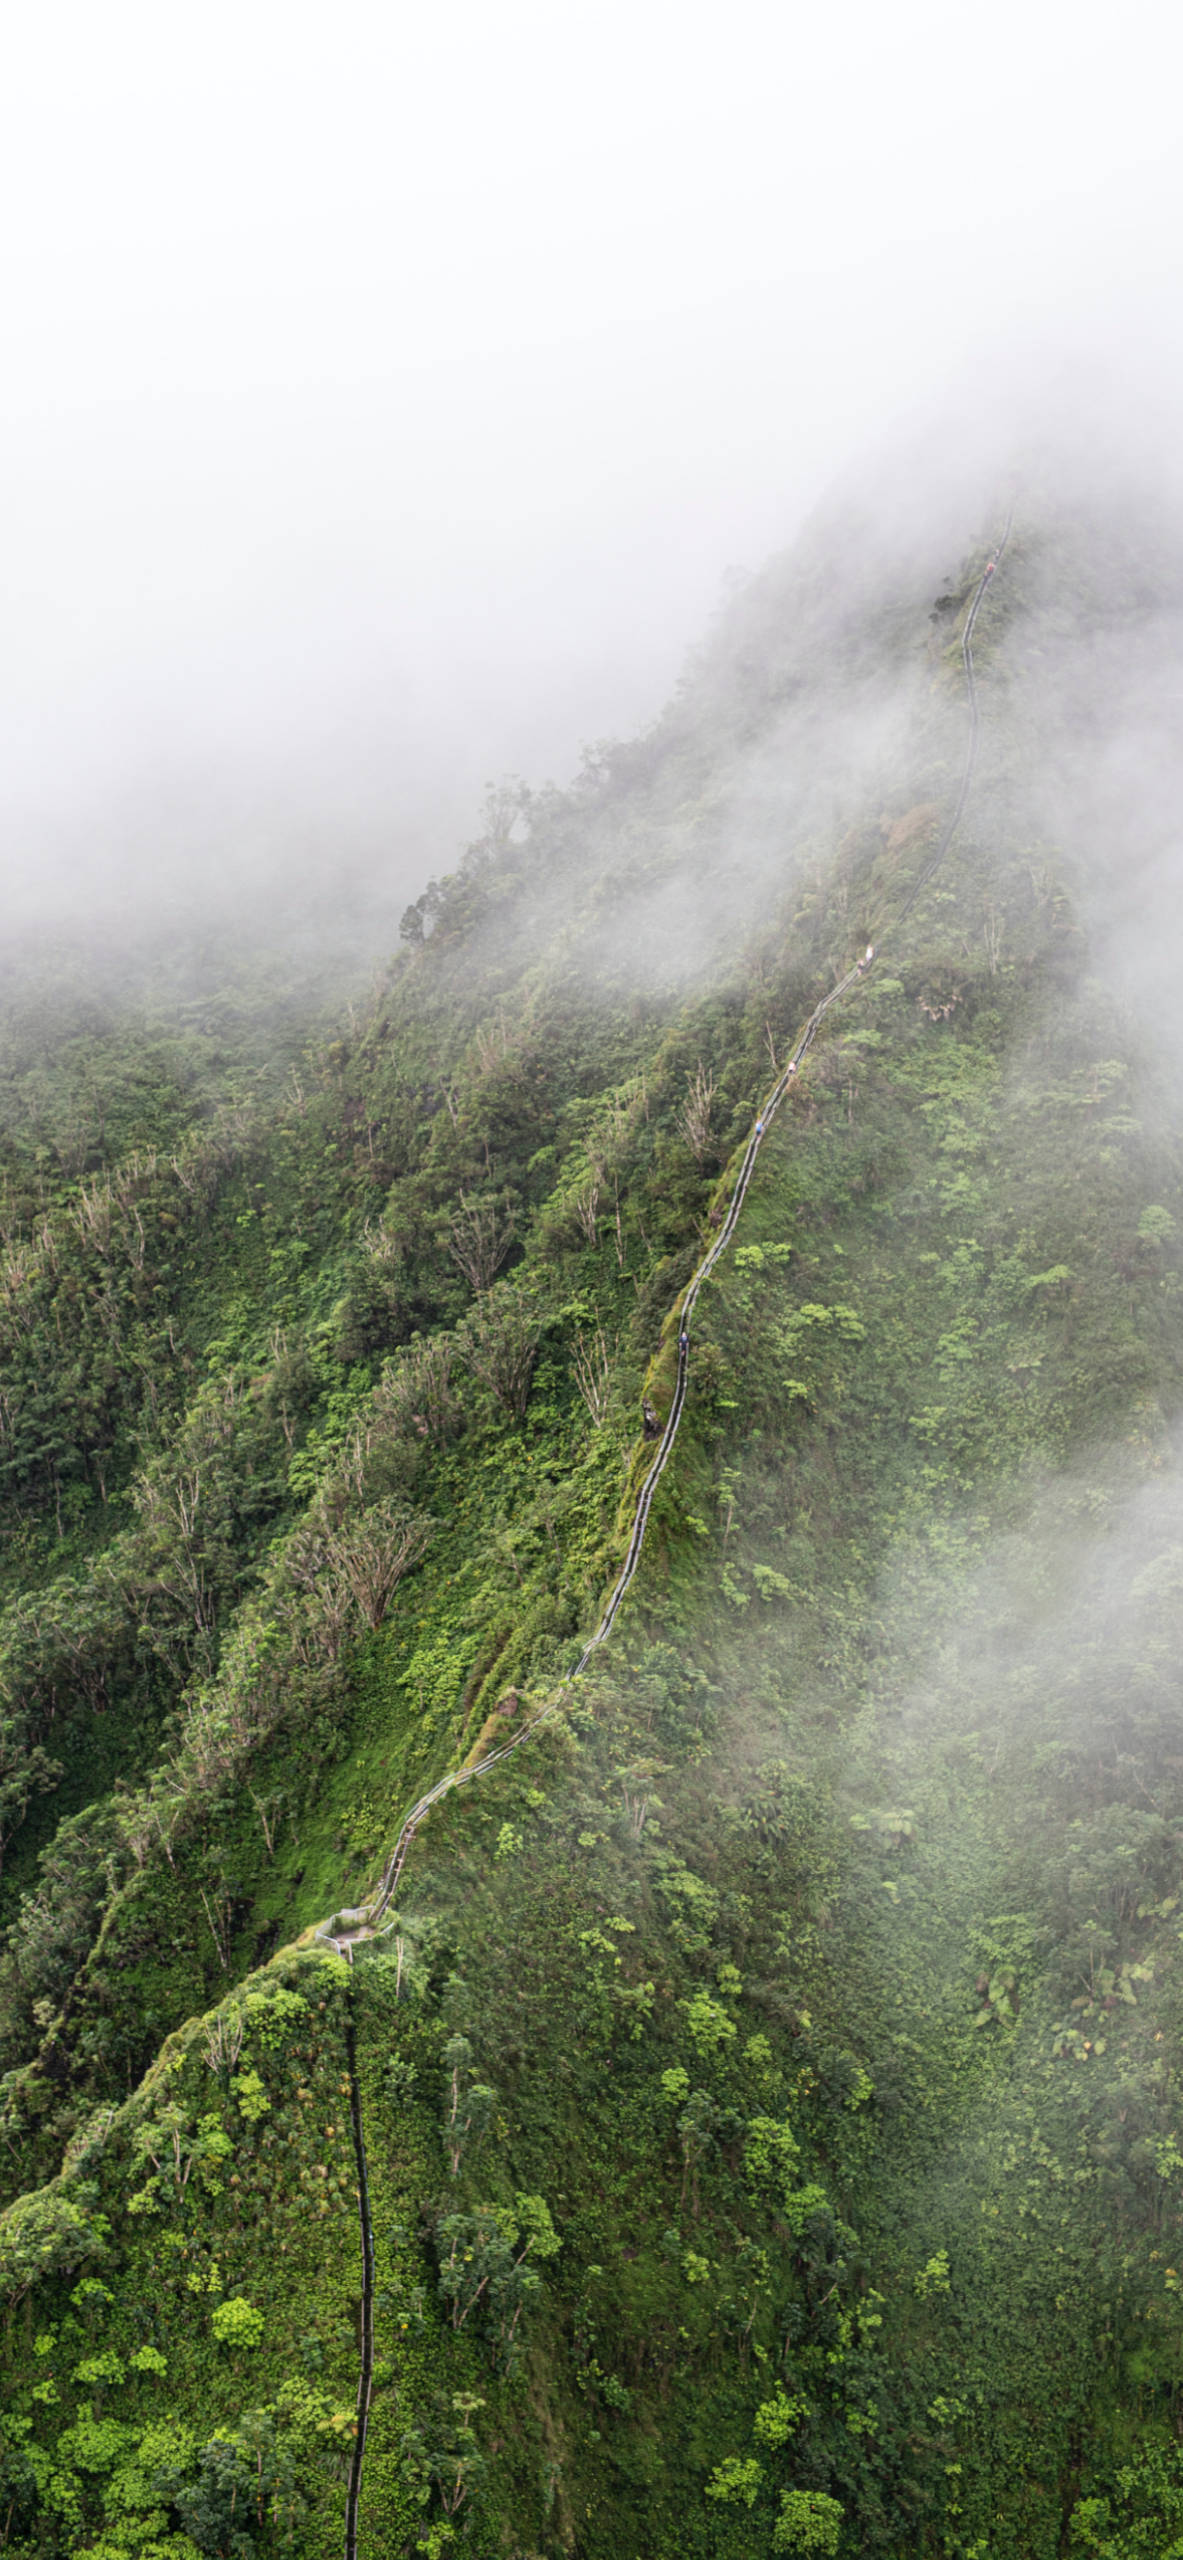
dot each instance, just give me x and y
(826, 707)
(386, 403)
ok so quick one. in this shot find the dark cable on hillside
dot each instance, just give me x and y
(365, 2380)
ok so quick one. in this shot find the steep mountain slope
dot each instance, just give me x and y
(765, 2090)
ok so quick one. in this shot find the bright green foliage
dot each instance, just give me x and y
(771, 2154)
(535, 2226)
(104, 2368)
(252, 2097)
(237, 2323)
(808, 2521)
(775, 2420)
(43, 2235)
(708, 2024)
(735, 2483)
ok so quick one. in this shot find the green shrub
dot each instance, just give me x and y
(236, 2323)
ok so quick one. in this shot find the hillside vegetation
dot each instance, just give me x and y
(767, 2085)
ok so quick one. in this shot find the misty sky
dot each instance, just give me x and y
(388, 389)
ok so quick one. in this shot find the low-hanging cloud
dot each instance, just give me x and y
(387, 402)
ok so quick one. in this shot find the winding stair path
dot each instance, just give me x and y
(349, 1928)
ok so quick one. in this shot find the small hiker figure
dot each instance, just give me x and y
(649, 1420)
(683, 1342)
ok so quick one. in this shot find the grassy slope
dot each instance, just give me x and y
(819, 1968)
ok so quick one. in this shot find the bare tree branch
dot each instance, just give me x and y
(694, 1118)
(482, 1232)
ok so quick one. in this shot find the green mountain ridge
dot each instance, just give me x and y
(768, 2079)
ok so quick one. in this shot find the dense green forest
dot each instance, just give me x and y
(766, 2085)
